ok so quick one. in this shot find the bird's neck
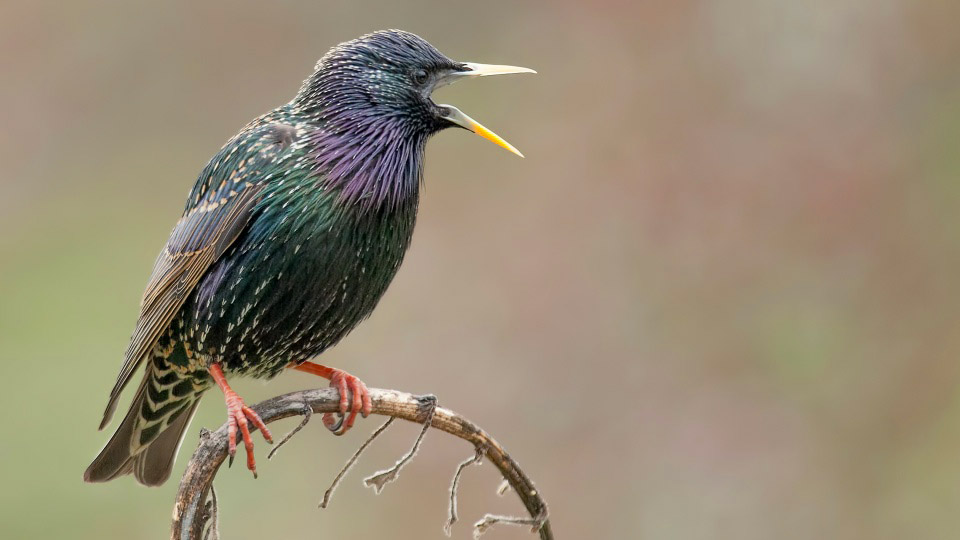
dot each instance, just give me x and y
(374, 162)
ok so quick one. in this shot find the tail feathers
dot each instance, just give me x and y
(115, 459)
(145, 447)
(152, 466)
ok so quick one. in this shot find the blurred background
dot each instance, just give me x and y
(718, 299)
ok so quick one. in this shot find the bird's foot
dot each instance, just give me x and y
(238, 416)
(348, 386)
(354, 396)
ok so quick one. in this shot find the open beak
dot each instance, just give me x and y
(459, 118)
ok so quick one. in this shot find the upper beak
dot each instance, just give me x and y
(457, 116)
(482, 70)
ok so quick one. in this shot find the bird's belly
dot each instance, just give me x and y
(258, 311)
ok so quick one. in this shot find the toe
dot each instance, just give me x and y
(344, 391)
(358, 393)
(231, 437)
(334, 423)
(247, 443)
(349, 421)
(367, 402)
(258, 422)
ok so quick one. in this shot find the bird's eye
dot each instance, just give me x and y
(420, 76)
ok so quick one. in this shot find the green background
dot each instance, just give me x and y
(718, 299)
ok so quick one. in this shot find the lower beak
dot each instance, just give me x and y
(459, 118)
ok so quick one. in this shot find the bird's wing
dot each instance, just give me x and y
(219, 209)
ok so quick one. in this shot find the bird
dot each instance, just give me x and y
(289, 238)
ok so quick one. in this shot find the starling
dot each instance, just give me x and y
(289, 238)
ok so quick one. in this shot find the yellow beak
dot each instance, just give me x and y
(459, 118)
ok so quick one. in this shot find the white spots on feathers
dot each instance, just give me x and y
(260, 287)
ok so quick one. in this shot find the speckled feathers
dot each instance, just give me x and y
(289, 238)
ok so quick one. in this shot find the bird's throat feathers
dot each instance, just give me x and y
(373, 124)
(373, 162)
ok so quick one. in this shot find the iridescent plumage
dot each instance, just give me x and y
(289, 238)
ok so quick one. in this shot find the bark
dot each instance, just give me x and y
(194, 513)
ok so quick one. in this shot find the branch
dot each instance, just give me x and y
(193, 512)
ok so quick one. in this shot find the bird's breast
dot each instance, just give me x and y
(299, 281)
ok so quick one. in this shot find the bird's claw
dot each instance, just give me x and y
(354, 398)
(238, 418)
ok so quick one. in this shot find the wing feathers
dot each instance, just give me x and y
(174, 277)
(223, 202)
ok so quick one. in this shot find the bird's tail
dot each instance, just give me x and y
(147, 440)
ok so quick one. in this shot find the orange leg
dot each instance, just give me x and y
(349, 387)
(237, 416)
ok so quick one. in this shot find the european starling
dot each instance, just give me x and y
(289, 238)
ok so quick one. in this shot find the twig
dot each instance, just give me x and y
(489, 520)
(307, 414)
(353, 459)
(452, 509)
(213, 532)
(188, 513)
(382, 478)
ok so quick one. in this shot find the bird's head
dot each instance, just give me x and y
(389, 76)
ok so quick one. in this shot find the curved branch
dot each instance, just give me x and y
(190, 514)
